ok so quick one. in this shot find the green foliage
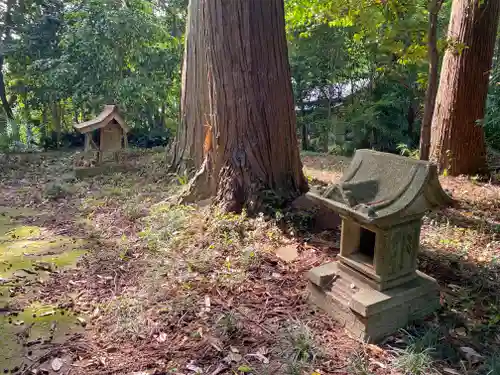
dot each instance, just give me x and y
(406, 151)
(492, 120)
(381, 48)
(492, 365)
(299, 345)
(68, 59)
(165, 226)
(414, 362)
(417, 358)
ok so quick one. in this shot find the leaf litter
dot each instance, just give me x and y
(173, 288)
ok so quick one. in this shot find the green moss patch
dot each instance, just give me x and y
(24, 333)
(30, 253)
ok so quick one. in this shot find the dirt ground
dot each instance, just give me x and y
(169, 289)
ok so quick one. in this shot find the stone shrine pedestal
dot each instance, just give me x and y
(368, 314)
(374, 288)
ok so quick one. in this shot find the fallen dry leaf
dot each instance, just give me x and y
(192, 367)
(375, 348)
(470, 354)
(56, 364)
(451, 371)
(233, 357)
(162, 337)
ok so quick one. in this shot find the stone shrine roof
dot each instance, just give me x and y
(385, 189)
(109, 113)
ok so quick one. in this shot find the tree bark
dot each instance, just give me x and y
(3, 95)
(6, 34)
(26, 114)
(305, 130)
(432, 85)
(188, 146)
(410, 118)
(251, 154)
(325, 131)
(457, 138)
(56, 122)
(44, 125)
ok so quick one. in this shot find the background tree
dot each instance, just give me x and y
(458, 143)
(382, 79)
(67, 60)
(188, 147)
(492, 120)
(433, 79)
(250, 152)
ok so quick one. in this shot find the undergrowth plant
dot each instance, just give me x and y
(358, 364)
(128, 317)
(166, 225)
(417, 357)
(57, 190)
(405, 150)
(229, 324)
(491, 365)
(298, 344)
(411, 361)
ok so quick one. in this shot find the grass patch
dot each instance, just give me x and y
(129, 318)
(229, 324)
(57, 190)
(166, 226)
(359, 364)
(298, 348)
(492, 365)
(412, 361)
(418, 357)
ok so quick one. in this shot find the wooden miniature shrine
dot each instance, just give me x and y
(112, 136)
(374, 288)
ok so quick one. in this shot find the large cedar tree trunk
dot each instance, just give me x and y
(457, 139)
(432, 86)
(250, 148)
(188, 147)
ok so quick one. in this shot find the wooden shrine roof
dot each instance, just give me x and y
(109, 113)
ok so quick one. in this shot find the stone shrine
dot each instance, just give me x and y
(374, 288)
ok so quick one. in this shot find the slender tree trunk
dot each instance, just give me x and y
(305, 130)
(410, 118)
(44, 125)
(56, 122)
(326, 128)
(26, 115)
(163, 116)
(3, 95)
(5, 38)
(432, 85)
(188, 147)
(251, 155)
(457, 139)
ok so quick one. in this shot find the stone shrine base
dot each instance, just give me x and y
(367, 314)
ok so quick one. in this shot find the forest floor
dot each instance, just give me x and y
(108, 275)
